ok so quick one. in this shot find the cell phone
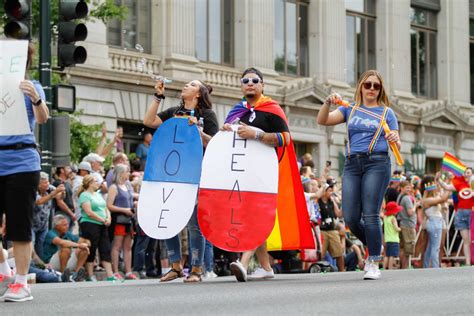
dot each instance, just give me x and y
(328, 163)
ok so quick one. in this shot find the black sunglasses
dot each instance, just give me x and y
(370, 84)
(247, 80)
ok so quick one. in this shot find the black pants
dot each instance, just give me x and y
(99, 238)
(17, 200)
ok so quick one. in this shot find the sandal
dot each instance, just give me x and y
(171, 275)
(193, 277)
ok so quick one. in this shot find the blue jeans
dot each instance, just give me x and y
(196, 243)
(364, 183)
(209, 257)
(434, 228)
(144, 252)
(38, 240)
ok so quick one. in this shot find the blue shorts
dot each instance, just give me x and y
(462, 219)
(392, 249)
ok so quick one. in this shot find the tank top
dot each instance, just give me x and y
(433, 211)
(123, 199)
(390, 234)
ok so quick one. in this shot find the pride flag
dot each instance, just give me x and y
(452, 164)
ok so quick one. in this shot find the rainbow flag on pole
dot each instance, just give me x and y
(452, 164)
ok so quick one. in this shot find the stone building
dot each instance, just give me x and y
(306, 49)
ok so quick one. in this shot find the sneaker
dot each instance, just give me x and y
(79, 276)
(91, 278)
(142, 274)
(66, 275)
(116, 277)
(210, 275)
(372, 272)
(260, 274)
(130, 276)
(239, 271)
(18, 293)
(4, 282)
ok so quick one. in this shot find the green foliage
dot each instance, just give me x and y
(107, 10)
(84, 138)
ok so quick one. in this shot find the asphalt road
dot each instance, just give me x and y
(409, 292)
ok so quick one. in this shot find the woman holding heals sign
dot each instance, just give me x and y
(196, 104)
(367, 165)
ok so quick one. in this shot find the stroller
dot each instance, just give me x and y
(302, 261)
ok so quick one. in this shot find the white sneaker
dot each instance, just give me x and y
(239, 271)
(210, 275)
(372, 271)
(18, 293)
(4, 282)
(260, 274)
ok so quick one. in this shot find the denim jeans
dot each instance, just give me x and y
(434, 228)
(144, 252)
(196, 243)
(364, 183)
(209, 257)
(38, 237)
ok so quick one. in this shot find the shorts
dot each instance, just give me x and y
(123, 230)
(332, 243)
(99, 238)
(407, 240)
(392, 249)
(17, 200)
(71, 263)
(462, 219)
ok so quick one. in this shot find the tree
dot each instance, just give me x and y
(84, 138)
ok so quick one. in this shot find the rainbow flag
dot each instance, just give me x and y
(292, 229)
(452, 164)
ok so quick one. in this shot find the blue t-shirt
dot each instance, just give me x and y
(49, 249)
(23, 160)
(363, 127)
(142, 152)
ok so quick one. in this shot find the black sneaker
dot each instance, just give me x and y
(66, 276)
(79, 276)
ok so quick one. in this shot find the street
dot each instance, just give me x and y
(422, 291)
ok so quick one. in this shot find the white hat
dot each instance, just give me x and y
(85, 166)
(93, 157)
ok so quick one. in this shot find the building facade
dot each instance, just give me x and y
(305, 49)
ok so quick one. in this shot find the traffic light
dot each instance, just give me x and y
(70, 32)
(18, 13)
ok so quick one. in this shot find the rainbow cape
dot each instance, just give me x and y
(292, 229)
(452, 164)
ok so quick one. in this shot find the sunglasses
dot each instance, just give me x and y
(371, 84)
(247, 80)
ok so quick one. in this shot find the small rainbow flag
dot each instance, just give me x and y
(452, 164)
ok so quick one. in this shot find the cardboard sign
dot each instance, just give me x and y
(238, 192)
(13, 116)
(170, 185)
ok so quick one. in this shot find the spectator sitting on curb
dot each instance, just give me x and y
(58, 250)
(353, 257)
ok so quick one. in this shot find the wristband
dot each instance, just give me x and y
(159, 96)
(37, 103)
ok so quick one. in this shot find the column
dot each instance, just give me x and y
(453, 52)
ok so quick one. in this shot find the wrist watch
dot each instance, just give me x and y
(38, 103)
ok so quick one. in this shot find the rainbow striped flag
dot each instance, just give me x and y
(452, 164)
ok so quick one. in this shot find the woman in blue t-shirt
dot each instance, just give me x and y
(367, 166)
(19, 178)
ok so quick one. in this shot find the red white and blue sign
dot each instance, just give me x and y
(171, 181)
(238, 192)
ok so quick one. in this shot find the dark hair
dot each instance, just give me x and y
(204, 100)
(58, 171)
(429, 178)
(252, 70)
(309, 163)
(303, 169)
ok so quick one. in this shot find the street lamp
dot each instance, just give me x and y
(418, 154)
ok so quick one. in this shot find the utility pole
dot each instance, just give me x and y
(45, 79)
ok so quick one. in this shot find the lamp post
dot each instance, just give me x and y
(418, 154)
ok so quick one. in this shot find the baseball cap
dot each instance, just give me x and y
(93, 157)
(85, 166)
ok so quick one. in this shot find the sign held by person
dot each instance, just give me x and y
(238, 192)
(170, 185)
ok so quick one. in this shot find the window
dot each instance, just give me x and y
(291, 37)
(471, 54)
(423, 52)
(360, 30)
(135, 29)
(214, 31)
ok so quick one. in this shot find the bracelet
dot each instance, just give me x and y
(159, 96)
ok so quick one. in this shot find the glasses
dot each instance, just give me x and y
(247, 80)
(371, 84)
